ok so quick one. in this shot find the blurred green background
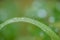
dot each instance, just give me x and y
(45, 11)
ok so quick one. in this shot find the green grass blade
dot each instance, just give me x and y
(42, 26)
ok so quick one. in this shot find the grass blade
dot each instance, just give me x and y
(45, 28)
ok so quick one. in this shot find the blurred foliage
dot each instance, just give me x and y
(45, 11)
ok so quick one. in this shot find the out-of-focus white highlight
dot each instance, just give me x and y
(42, 13)
(51, 19)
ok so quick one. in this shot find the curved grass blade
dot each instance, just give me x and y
(45, 28)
